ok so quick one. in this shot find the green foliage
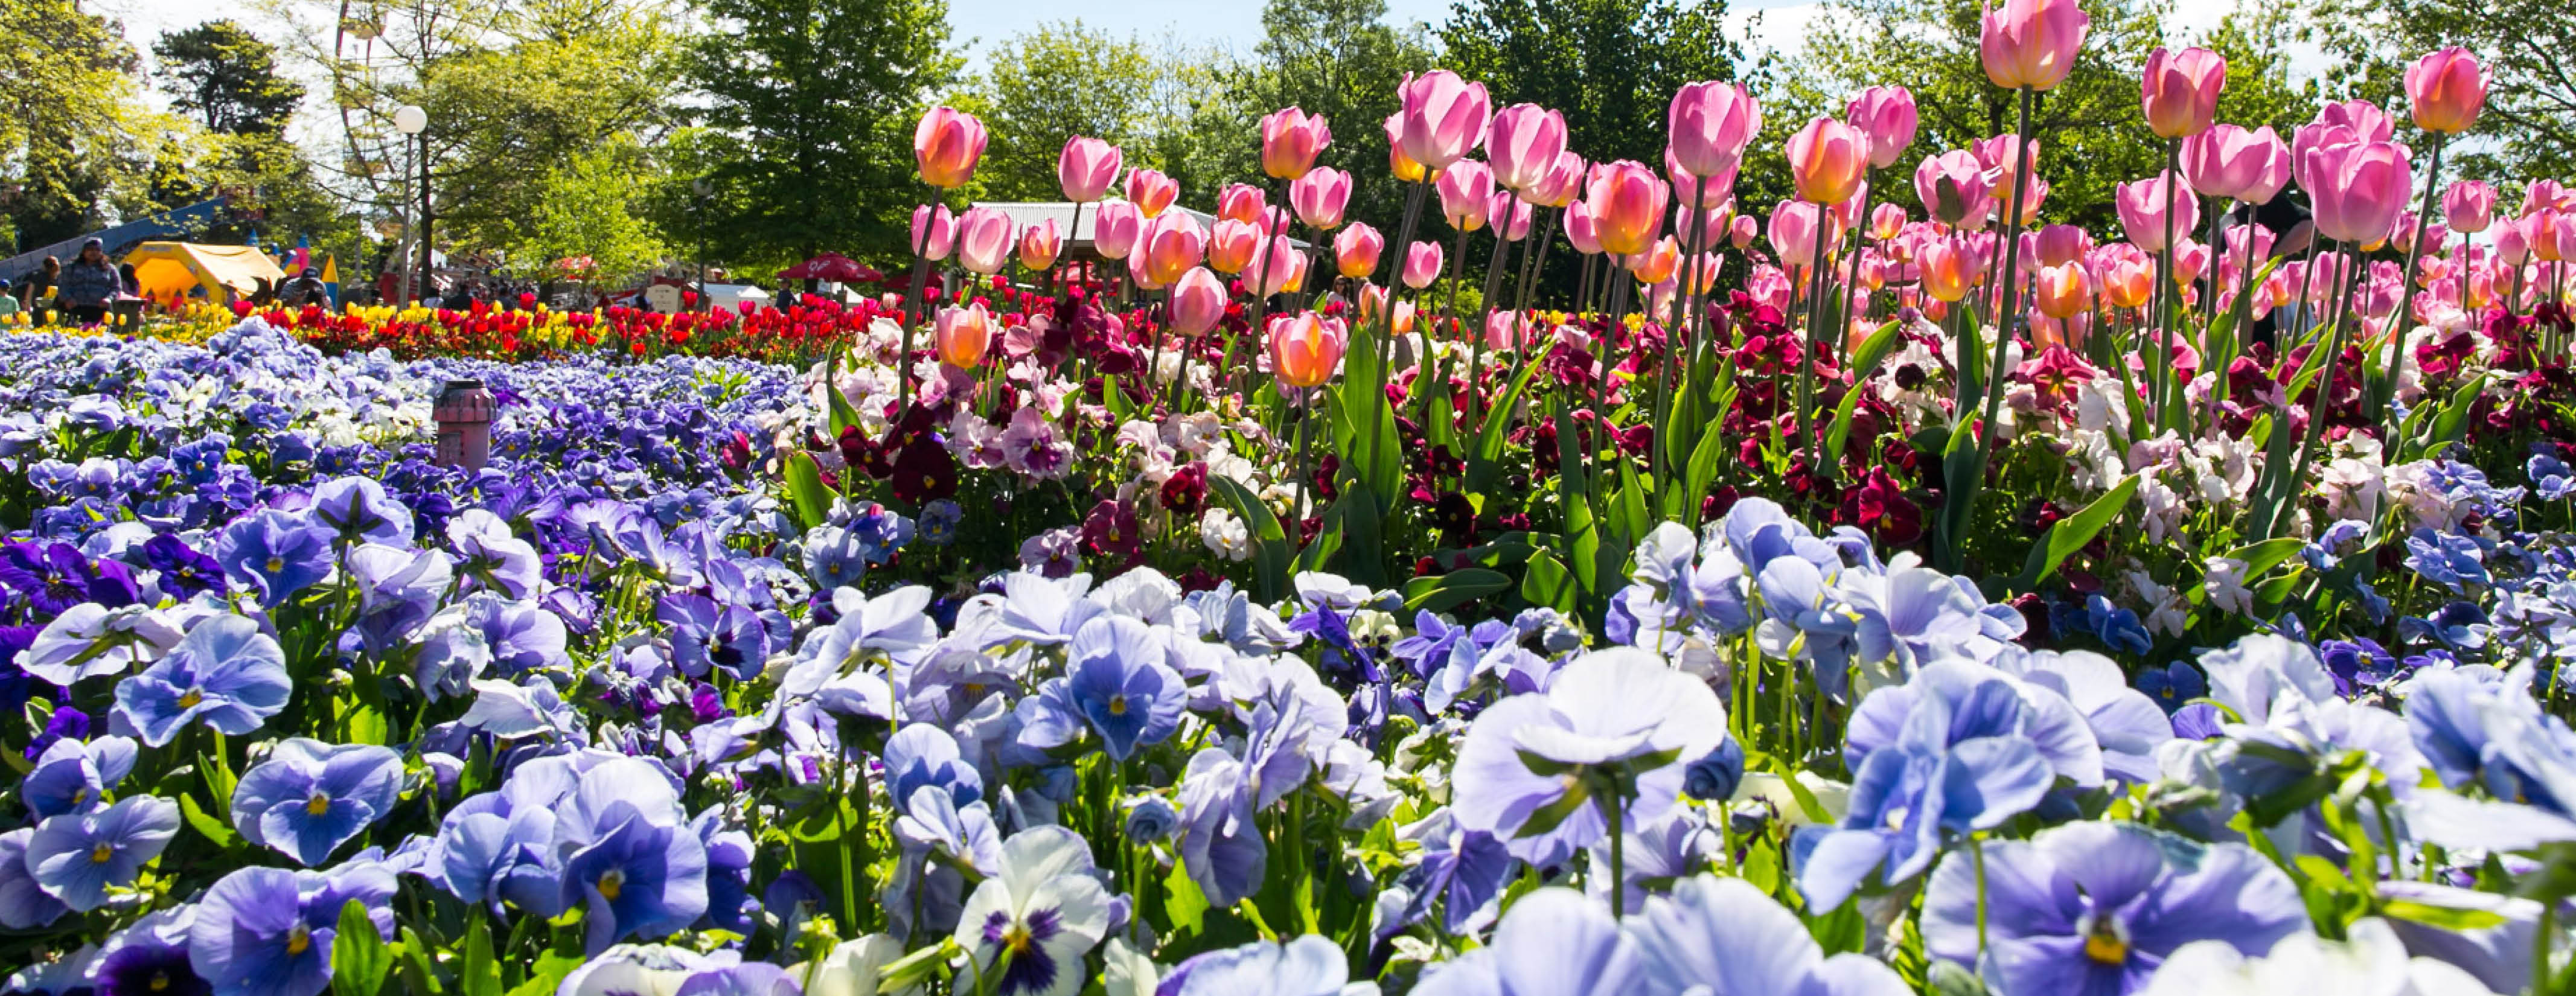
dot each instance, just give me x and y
(75, 139)
(586, 208)
(1058, 80)
(226, 77)
(2091, 130)
(1611, 65)
(817, 100)
(2527, 129)
(1340, 59)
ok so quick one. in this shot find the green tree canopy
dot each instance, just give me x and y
(226, 77)
(1340, 59)
(2527, 46)
(1612, 66)
(1055, 81)
(815, 101)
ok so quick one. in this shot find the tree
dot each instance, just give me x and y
(76, 142)
(1063, 78)
(587, 208)
(2529, 127)
(1611, 65)
(565, 77)
(1340, 59)
(226, 77)
(818, 99)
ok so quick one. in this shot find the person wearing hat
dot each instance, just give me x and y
(89, 285)
(8, 299)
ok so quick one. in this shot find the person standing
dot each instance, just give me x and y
(89, 286)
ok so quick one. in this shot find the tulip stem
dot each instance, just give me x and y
(1494, 268)
(920, 272)
(2404, 323)
(2007, 309)
(1808, 425)
(1611, 810)
(1261, 278)
(1851, 284)
(2160, 368)
(2287, 503)
(1685, 285)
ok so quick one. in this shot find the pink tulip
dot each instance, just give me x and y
(1444, 117)
(1511, 221)
(2548, 195)
(1171, 244)
(1826, 160)
(1421, 264)
(946, 145)
(1305, 348)
(1846, 212)
(1524, 144)
(2142, 210)
(1151, 192)
(2244, 166)
(1742, 232)
(1280, 267)
(1240, 202)
(1581, 229)
(2361, 190)
(983, 240)
(1087, 168)
(1685, 184)
(933, 231)
(1040, 244)
(2002, 158)
(1320, 197)
(1793, 232)
(1956, 188)
(2363, 117)
(1627, 203)
(1466, 193)
(1198, 302)
(2445, 91)
(1507, 330)
(2060, 244)
(2469, 206)
(1356, 250)
(1885, 221)
(1708, 226)
(1403, 166)
(963, 335)
(2513, 241)
(2180, 90)
(1230, 247)
(1115, 228)
(2031, 43)
(1710, 123)
(1561, 184)
(1290, 140)
(1768, 287)
(1886, 115)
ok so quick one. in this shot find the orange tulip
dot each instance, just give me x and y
(1151, 191)
(1305, 348)
(1627, 207)
(964, 334)
(1948, 271)
(1040, 244)
(1828, 160)
(1170, 245)
(1230, 249)
(2063, 291)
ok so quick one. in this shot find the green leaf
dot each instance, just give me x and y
(1484, 462)
(2071, 533)
(1363, 558)
(844, 415)
(1873, 349)
(1183, 904)
(1840, 432)
(1270, 552)
(1437, 594)
(1545, 582)
(547, 976)
(805, 490)
(2452, 422)
(2452, 918)
(480, 975)
(359, 959)
(207, 826)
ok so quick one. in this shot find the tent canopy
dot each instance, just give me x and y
(225, 272)
(834, 267)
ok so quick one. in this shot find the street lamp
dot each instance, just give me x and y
(704, 188)
(411, 120)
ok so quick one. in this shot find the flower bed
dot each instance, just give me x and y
(1136, 636)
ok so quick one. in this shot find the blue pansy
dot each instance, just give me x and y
(309, 797)
(226, 672)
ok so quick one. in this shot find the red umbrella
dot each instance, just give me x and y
(834, 267)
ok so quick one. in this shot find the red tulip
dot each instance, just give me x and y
(946, 145)
(2180, 90)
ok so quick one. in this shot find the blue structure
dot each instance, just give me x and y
(174, 224)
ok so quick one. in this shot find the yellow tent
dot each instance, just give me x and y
(224, 272)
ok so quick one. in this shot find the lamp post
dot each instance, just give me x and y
(704, 189)
(411, 120)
